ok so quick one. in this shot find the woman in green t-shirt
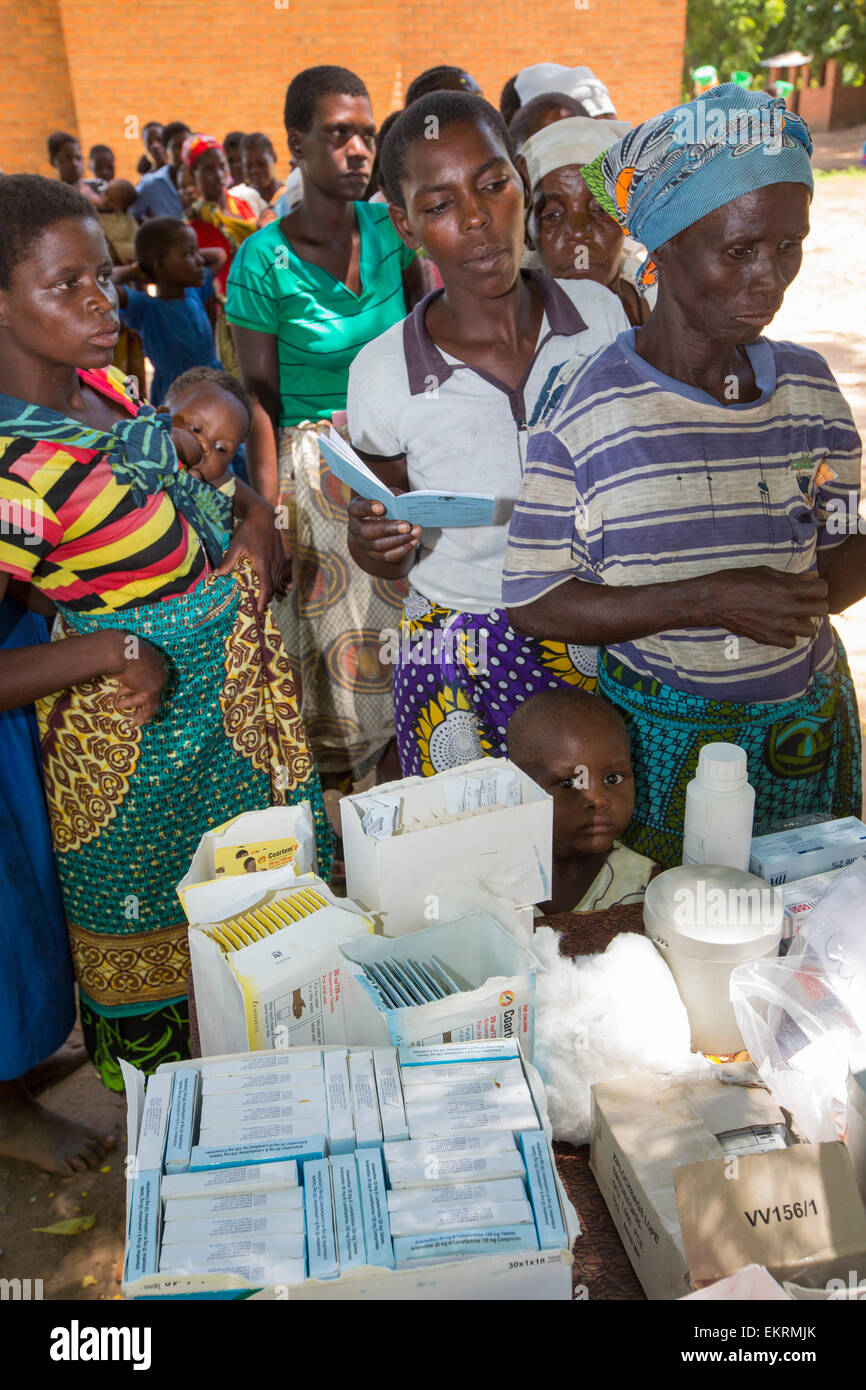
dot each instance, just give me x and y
(305, 294)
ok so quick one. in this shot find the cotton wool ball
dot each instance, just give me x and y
(602, 1017)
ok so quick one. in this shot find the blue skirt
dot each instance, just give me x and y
(37, 996)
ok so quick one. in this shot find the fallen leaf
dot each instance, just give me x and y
(106, 1169)
(51, 1194)
(88, 1281)
(73, 1227)
(84, 1194)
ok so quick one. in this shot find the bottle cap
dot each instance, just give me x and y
(723, 766)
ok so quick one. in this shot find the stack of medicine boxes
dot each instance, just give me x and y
(275, 1167)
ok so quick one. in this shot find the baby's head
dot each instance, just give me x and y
(576, 747)
(119, 196)
(216, 410)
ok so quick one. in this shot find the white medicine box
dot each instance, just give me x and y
(435, 861)
(495, 972)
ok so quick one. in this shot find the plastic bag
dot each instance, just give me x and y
(803, 1015)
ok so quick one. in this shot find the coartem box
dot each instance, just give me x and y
(262, 1263)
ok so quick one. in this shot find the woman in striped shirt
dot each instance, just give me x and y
(167, 706)
(687, 504)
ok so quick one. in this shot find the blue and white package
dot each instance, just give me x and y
(500, 1240)
(542, 1191)
(365, 1102)
(319, 1208)
(181, 1120)
(482, 1050)
(143, 1233)
(392, 1111)
(374, 1207)
(239, 1155)
(341, 1127)
(150, 1152)
(351, 1251)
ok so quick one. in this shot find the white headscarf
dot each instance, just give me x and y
(580, 83)
(575, 140)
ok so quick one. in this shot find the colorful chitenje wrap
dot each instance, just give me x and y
(678, 167)
(804, 755)
(459, 677)
(128, 804)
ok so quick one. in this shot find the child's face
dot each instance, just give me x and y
(102, 166)
(212, 175)
(573, 235)
(182, 263)
(465, 205)
(260, 167)
(119, 196)
(61, 306)
(187, 188)
(69, 162)
(174, 148)
(237, 163)
(337, 151)
(216, 419)
(587, 770)
(155, 144)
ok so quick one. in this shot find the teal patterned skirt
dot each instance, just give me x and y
(804, 755)
(128, 805)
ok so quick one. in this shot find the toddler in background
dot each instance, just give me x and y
(576, 747)
(175, 326)
(216, 410)
(117, 221)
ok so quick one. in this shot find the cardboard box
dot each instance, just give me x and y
(689, 1216)
(541, 1276)
(209, 895)
(499, 855)
(289, 993)
(750, 1285)
(500, 1002)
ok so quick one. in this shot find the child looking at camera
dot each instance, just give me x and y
(576, 747)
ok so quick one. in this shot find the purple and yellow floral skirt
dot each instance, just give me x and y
(459, 677)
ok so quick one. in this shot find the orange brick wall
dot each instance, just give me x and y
(223, 64)
(35, 91)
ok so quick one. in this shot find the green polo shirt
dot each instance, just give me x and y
(319, 324)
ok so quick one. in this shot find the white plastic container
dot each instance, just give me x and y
(705, 920)
(720, 807)
(857, 1123)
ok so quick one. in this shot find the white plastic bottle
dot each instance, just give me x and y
(720, 806)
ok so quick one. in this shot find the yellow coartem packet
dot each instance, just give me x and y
(245, 930)
(254, 857)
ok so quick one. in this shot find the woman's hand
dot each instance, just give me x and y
(140, 678)
(257, 539)
(381, 546)
(769, 606)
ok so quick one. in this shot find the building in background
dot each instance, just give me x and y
(102, 71)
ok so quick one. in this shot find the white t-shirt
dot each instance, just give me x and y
(461, 428)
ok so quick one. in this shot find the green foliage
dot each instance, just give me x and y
(824, 28)
(729, 34)
(736, 34)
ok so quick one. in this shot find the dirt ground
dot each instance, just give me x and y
(824, 309)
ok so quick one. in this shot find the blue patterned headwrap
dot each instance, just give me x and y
(675, 168)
